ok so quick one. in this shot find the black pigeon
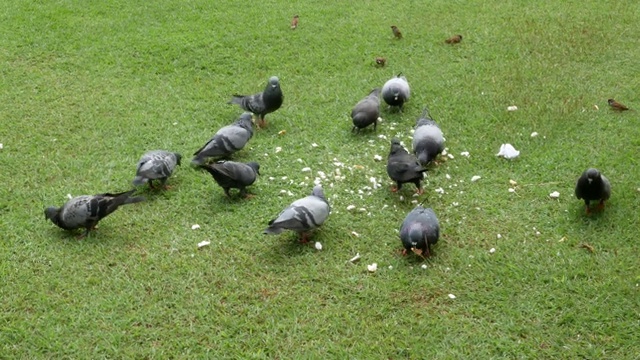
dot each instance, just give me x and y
(156, 164)
(396, 91)
(428, 140)
(366, 111)
(593, 186)
(263, 103)
(403, 167)
(226, 141)
(233, 175)
(87, 210)
(419, 230)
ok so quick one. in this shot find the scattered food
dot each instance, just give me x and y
(355, 234)
(596, 107)
(318, 245)
(475, 178)
(424, 266)
(439, 190)
(195, 227)
(447, 176)
(307, 169)
(203, 244)
(513, 182)
(512, 190)
(450, 156)
(351, 207)
(278, 149)
(534, 134)
(314, 145)
(554, 195)
(377, 157)
(512, 108)
(508, 151)
(69, 196)
(372, 268)
(451, 296)
(355, 259)
(465, 153)
(492, 250)
(499, 236)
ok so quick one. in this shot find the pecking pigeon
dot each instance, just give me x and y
(396, 91)
(263, 103)
(226, 141)
(428, 141)
(366, 111)
(231, 174)
(156, 164)
(419, 230)
(403, 167)
(302, 215)
(87, 210)
(593, 186)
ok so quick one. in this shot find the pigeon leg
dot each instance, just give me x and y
(163, 182)
(394, 189)
(226, 192)
(601, 205)
(587, 210)
(304, 237)
(419, 191)
(245, 194)
(404, 252)
(151, 184)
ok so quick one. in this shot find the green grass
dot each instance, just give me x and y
(87, 87)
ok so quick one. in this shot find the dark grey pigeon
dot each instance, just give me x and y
(419, 230)
(156, 165)
(302, 216)
(366, 111)
(403, 167)
(226, 141)
(233, 175)
(396, 91)
(593, 186)
(87, 210)
(263, 103)
(428, 140)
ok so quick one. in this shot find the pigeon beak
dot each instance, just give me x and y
(589, 180)
(274, 85)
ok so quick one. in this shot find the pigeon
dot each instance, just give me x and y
(231, 174)
(403, 167)
(302, 215)
(263, 103)
(454, 39)
(616, 105)
(592, 185)
(380, 61)
(366, 111)
(419, 230)
(396, 91)
(156, 164)
(294, 22)
(396, 32)
(226, 141)
(428, 140)
(87, 210)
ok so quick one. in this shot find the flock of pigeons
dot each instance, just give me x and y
(419, 230)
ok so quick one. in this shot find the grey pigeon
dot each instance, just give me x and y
(263, 103)
(156, 164)
(428, 140)
(396, 91)
(231, 174)
(593, 186)
(87, 210)
(226, 141)
(366, 111)
(403, 167)
(302, 215)
(419, 230)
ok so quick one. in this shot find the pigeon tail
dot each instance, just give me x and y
(273, 230)
(237, 99)
(133, 200)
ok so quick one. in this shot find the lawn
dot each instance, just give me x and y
(88, 86)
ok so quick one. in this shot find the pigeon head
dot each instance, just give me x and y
(178, 158)
(245, 121)
(396, 147)
(592, 175)
(416, 236)
(317, 191)
(255, 166)
(51, 213)
(274, 82)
